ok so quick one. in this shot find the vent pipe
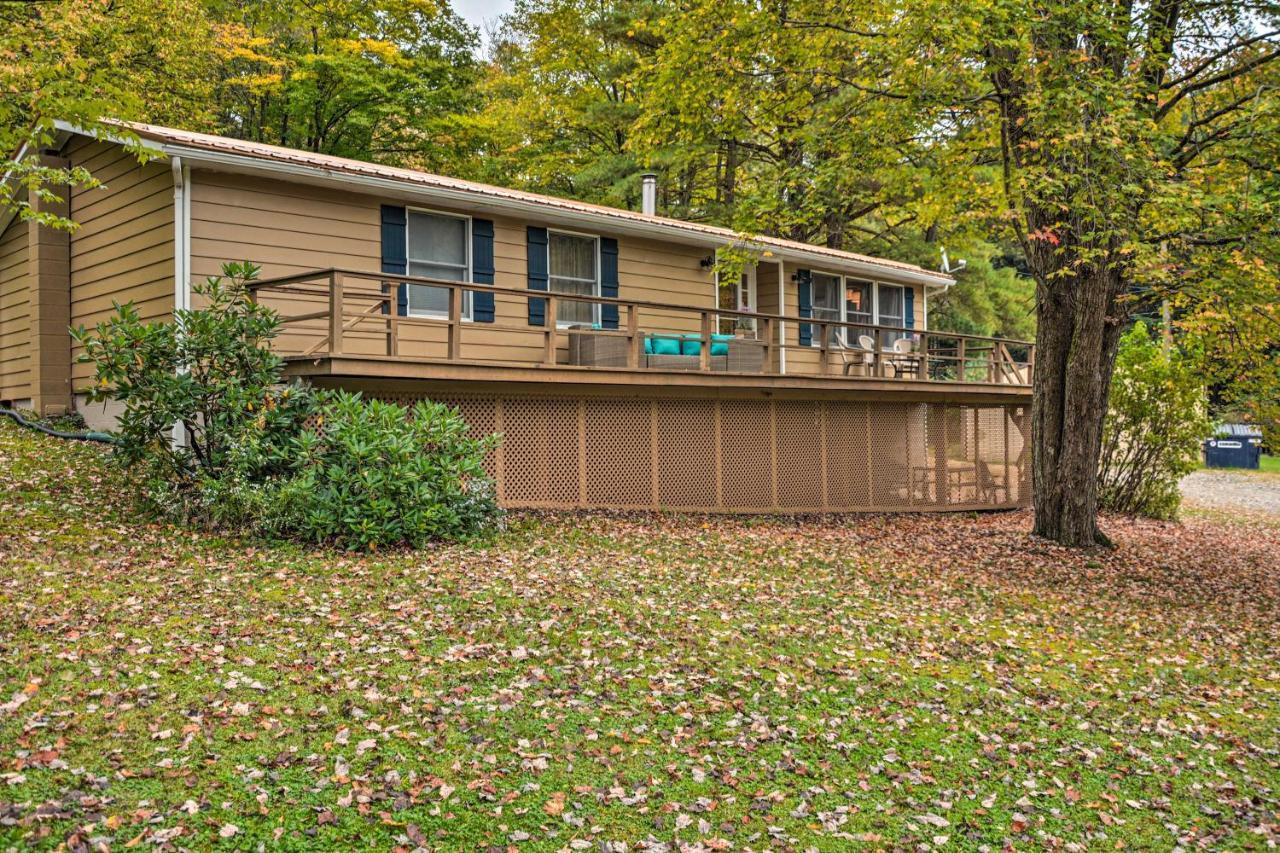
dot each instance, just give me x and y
(649, 194)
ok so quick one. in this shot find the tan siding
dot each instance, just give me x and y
(15, 314)
(806, 359)
(290, 228)
(123, 250)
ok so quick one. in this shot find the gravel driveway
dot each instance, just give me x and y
(1222, 489)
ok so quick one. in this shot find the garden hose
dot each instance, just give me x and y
(101, 437)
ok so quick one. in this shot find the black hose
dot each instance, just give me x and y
(101, 437)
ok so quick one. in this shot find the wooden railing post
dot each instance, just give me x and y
(393, 320)
(455, 323)
(635, 342)
(923, 371)
(549, 334)
(767, 330)
(336, 307)
(824, 348)
(704, 351)
(961, 365)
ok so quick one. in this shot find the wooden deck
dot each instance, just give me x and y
(345, 325)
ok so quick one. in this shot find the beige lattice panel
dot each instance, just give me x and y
(801, 444)
(891, 456)
(686, 453)
(540, 452)
(750, 455)
(619, 455)
(746, 460)
(848, 455)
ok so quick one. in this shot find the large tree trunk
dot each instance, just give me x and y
(1076, 342)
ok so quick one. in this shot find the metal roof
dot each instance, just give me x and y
(240, 155)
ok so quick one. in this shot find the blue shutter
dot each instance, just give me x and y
(482, 269)
(537, 245)
(395, 258)
(909, 307)
(609, 281)
(804, 294)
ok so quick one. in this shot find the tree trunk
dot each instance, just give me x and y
(1076, 342)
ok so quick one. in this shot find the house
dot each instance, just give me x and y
(601, 343)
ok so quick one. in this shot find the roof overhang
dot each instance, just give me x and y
(415, 186)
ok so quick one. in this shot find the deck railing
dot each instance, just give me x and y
(357, 313)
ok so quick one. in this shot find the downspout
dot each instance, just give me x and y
(181, 234)
(181, 254)
(782, 309)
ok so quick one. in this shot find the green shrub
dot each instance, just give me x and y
(210, 372)
(1156, 420)
(375, 474)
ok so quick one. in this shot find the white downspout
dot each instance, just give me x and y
(181, 253)
(782, 309)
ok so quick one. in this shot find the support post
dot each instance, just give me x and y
(704, 351)
(635, 342)
(49, 263)
(549, 332)
(336, 307)
(455, 323)
(767, 331)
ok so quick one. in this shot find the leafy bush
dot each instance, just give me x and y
(376, 474)
(1155, 423)
(210, 372)
(372, 474)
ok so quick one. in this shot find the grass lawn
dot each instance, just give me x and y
(606, 682)
(1269, 464)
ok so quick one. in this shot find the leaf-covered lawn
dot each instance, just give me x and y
(611, 682)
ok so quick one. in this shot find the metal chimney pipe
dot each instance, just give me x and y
(649, 194)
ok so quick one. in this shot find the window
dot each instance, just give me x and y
(438, 248)
(891, 308)
(739, 298)
(826, 302)
(573, 263)
(857, 303)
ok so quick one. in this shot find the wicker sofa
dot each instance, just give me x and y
(608, 348)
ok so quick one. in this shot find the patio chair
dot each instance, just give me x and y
(861, 358)
(905, 361)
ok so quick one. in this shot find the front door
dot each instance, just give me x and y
(739, 296)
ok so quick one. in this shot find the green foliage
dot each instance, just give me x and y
(376, 81)
(1155, 424)
(377, 474)
(85, 62)
(210, 372)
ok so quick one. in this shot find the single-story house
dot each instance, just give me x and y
(605, 346)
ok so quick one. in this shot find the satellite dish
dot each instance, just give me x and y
(946, 264)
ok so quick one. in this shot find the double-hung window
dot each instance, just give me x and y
(826, 302)
(573, 261)
(438, 247)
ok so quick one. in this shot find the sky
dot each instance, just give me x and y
(477, 12)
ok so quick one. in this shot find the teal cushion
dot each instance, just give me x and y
(666, 346)
(720, 344)
(691, 345)
(648, 345)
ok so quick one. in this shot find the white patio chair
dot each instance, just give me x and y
(861, 357)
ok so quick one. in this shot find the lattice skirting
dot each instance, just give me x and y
(722, 455)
